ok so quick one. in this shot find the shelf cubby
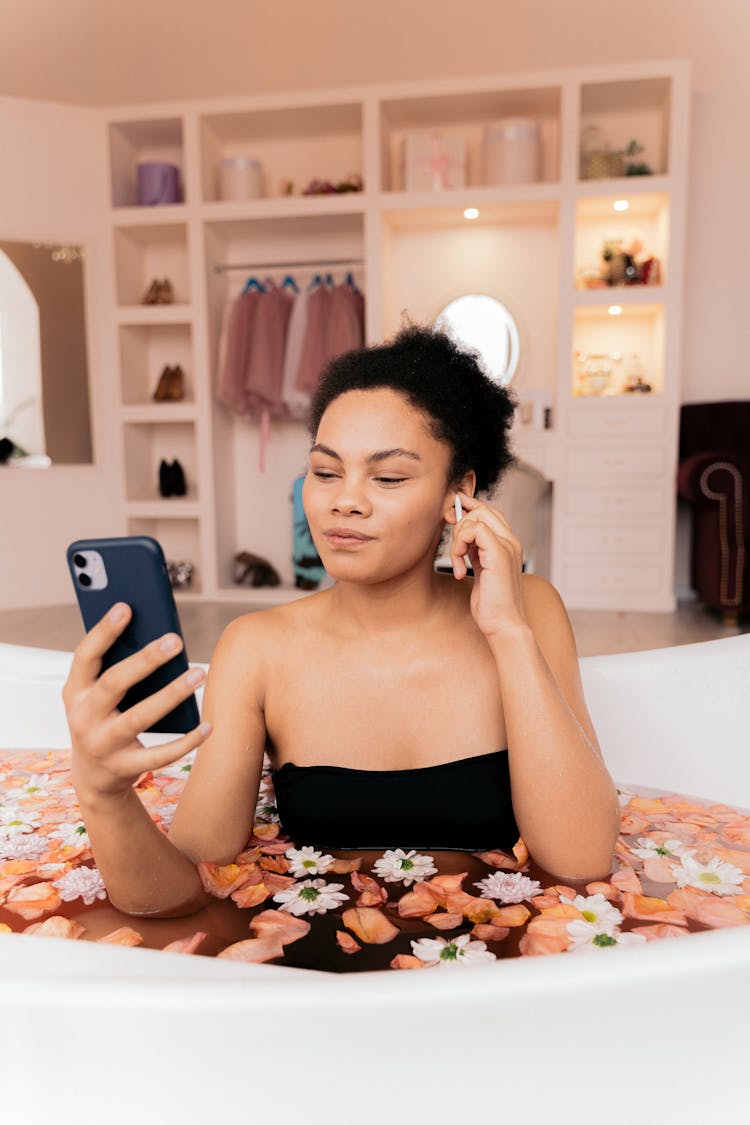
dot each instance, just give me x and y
(146, 444)
(633, 338)
(645, 220)
(144, 352)
(299, 144)
(624, 110)
(466, 115)
(148, 252)
(134, 142)
(180, 540)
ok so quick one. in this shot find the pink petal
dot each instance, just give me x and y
(185, 945)
(253, 949)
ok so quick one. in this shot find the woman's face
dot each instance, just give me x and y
(376, 493)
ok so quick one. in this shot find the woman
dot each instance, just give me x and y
(390, 703)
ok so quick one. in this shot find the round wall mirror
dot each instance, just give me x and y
(484, 324)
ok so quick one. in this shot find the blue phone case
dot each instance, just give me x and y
(137, 574)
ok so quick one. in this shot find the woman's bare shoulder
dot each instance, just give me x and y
(276, 624)
(543, 607)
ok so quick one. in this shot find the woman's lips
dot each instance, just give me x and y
(346, 537)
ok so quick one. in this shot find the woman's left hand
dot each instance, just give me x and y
(496, 558)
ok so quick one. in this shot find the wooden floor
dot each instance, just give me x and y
(596, 632)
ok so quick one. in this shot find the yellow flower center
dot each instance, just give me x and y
(709, 877)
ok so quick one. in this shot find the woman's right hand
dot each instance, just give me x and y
(108, 757)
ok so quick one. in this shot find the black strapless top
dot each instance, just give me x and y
(456, 806)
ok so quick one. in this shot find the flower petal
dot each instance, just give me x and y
(406, 961)
(660, 930)
(370, 925)
(56, 926)
(279, 924)
(124, 936)
(251, 895)
(487, 931)
(346, 942)
(221, 881)
(186, 945)
(626, 880)
(32, 902)
(443, 921)
(253, 949)
(651, 909)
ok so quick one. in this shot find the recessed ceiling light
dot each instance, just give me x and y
(471, 213)
(620, 205)
(614, 310)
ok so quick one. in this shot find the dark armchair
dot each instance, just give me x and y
(714, 476)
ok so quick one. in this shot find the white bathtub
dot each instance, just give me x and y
(658, 1033)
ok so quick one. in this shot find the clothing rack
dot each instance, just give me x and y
(224, 267)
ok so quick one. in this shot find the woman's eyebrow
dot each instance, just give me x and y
(382, 455)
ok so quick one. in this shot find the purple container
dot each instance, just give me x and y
(158, 183)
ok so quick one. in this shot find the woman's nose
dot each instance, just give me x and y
(350, 499)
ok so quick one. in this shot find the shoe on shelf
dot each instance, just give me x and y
(177, 479)
(176, 384)
(163, 387)
(165, 479)
(151, 296)
(165, 294)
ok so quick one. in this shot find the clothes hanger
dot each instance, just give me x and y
(253, 283)
(290, 283)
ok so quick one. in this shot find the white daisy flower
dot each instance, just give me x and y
(306, 861)
(404, 867)
(37, 785)
(81, 882)
(15, 820)
(715, 876)
(458, 951)
(601, 915)
(586, 938)
(19, 846)
(71, 835)
(649, 848)
(313, 896)
(508, 886)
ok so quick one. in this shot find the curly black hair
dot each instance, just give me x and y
(462, 405)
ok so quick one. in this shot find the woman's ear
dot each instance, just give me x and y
(466, 484)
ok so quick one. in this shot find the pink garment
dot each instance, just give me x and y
(314, 350)
(264, 370)
(297, 402)
(235, 351)
(344, 322)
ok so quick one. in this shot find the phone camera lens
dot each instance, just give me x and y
(84, 579)
(79, 560)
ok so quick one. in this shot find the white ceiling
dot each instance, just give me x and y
(110, 52)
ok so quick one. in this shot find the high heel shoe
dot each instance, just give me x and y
(151, 296)
(176, 384)
(166, 293)
(163, 387)
(179, 487)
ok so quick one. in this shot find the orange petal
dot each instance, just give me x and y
(250, 855)
(647, 805)
(279, 924)
(660, 930)
(651, 909)
(447, 883)
(345, 866)
(738, 832)
(5, 929)
(739, 859)
(186, 945)
(406, 961)
(498, 859)
(543, 902)
(18, 867)
(124, 936)
(346, 942)
(370, 925)
(545, 935)
(626, 880)
(251, 895)
(278, 882)
(56, 926)
(718, 912)
(363, 882)
(521, 852)
(611, 893)
(658, 869)
(415, 905)
(514, 915)
(443, 921)
(274, 847)
(253, 949)
(486, 931)
(265, 831)
(275, 863)
(562, 910)
(633, 825)
(222, 881)
(32, 902)
(568, 892)
(367, 898)
(479, 909)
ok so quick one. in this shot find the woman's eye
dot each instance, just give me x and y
(322, 474)
(390, 480)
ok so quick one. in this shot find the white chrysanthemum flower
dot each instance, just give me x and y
(649, 848)
(715, 876)
(14, 820)
(70, 835)
(19, 846)
(597, 912)
(404, 867)
(587, 938)
(313, 896)
(456, 951)
(306, 861)
(506, 886)
(81, 882)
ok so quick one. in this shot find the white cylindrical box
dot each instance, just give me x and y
(240, 178)
(512, 151)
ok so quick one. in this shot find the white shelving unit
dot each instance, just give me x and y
(611, 456)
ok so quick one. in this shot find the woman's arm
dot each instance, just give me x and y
(146, 873)
(564, 799)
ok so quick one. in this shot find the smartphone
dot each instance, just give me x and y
(133, 569)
